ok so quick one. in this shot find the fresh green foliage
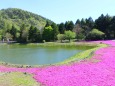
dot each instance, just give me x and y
(55, 31)
(8, 36)
(25, 26)
(13, 32)
(61, 27)
(61, 37)
(23, 34)
(34, 34)
(48, 33)
(95, 34)
(17, 17)
(103, 23)
(69, 25)
(69, 35)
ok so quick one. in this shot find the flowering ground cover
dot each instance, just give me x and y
(96, 71)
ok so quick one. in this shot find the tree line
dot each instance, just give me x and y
(103, 28)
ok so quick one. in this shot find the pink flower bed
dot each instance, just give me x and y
(109, 42)
(85, 73)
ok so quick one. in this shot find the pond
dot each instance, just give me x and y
(36, 55)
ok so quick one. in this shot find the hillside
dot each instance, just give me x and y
(18, 17)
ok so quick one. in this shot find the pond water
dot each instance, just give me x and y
(36, 55)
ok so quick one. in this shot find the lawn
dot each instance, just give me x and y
(17, 79)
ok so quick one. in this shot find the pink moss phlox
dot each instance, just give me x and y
(85, 73)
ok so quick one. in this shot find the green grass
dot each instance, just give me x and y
(55, 43)
(17, 79)
(83, 55)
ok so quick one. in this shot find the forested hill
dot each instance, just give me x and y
(18, 17)
(24, 26)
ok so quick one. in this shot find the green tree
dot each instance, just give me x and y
(47, 33)
(112, 27)
(13, 32)
(61, 37)
(95, 34)
(55, 31)
(89, 22)
(69, 25)
(83, 22)
(79, 32)
(48, 23)
(34, 34)
(1, 34)
(61, 27)
(103, 24)
(78, 22)
(23, 34)
(69, 35)
(17, 17)
(4, 30)
(30, 33)
(86, 26)
(8, 36)
(37, 34)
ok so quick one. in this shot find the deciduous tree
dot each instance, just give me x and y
(48, 33)
(69, 35)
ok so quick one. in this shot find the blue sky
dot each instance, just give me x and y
(63, 10)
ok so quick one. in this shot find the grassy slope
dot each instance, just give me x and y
(83, 55)
(17, 79)
(17, 17)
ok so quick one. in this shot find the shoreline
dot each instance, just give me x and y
(67, 61)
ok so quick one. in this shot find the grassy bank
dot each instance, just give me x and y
(83, 55)
(17, 79)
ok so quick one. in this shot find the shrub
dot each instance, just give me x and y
(61, 37)
(95, 34)
(69, 35)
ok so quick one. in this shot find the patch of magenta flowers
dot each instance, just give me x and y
(98, 71)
